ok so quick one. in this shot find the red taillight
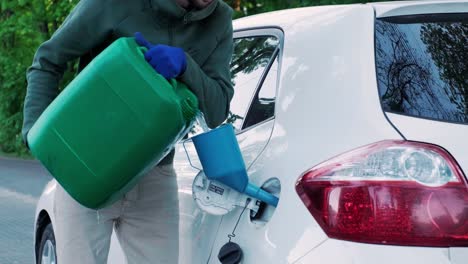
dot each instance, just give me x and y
(390, 192)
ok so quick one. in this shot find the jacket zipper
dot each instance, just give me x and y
(171, 36)
(187, 18)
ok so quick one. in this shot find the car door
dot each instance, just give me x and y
(256, 118)
(254, 65)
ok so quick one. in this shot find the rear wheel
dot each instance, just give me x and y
(47, 250)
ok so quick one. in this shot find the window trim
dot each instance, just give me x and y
(377, 83)
(427, 18)
(260, 85)
(259, 31)
(277, 54)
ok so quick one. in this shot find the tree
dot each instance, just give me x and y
(448, 45)
(399, 67)
(23, 26)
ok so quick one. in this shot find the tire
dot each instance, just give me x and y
(47, 253)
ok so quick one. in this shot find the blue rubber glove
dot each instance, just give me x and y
(168, 61)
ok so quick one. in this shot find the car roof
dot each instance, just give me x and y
(387, 9)
(288, 17)
(284, 18)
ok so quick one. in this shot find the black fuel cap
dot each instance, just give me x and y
(230, 253)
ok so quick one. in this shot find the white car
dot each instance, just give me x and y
(356, 117)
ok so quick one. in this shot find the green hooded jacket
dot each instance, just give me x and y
(205, 35)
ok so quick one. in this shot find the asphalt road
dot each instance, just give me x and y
(21, 184)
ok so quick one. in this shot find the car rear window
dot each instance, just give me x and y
(422, 66)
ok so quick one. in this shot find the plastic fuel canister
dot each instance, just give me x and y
(115, 120)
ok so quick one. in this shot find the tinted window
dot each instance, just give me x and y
(422, 66)
(263, 103)
(250, 58)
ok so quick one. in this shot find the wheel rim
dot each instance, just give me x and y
(48, 253)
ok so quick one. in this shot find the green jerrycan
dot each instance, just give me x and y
(114, 121)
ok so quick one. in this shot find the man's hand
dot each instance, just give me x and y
(168, 61)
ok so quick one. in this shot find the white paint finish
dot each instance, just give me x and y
(328, 98)
(254, 140)
(327, 104)
(197, 229)
(459, 255)
(450, 136)
(46, 203)
(341, 252)
(284, 238)
(116, 255)
(286, 18)
(401, 8)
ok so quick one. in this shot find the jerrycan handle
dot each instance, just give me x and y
(189, 108)
(142, 50)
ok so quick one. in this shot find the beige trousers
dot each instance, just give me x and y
(146, 222)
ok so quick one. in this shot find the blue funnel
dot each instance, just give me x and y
(222, 161)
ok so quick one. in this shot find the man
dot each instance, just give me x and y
(195, 38)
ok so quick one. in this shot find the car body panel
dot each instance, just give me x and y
(45, 206)
(389, 9)
(458, 255)
(285, 19)
(197, 228)
(349, 252)
(327, 104)
(450, 136)
(311, 97)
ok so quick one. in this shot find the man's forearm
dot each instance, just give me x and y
(213, 95)
(212, 81)
(42, 90)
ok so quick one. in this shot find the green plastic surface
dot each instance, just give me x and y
(112, 122)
